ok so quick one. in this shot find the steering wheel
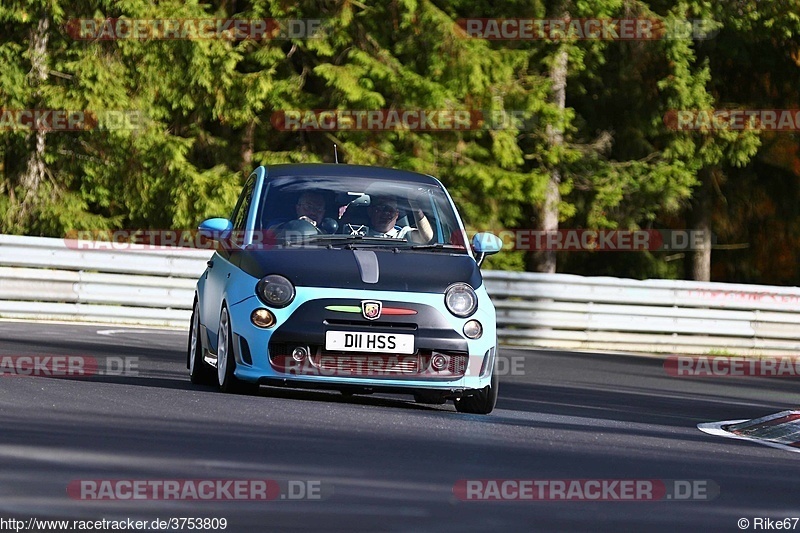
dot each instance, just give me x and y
(297, 229)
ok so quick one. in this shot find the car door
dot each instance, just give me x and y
(220, 267)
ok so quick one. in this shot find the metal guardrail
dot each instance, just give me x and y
(656, 316)
(43, 278)
(54, 279)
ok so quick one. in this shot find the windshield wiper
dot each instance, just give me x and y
(439, 246)
(344, 238)
(349, 241)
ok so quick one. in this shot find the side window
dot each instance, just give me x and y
(242, 209)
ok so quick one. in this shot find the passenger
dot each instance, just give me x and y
(383, 213)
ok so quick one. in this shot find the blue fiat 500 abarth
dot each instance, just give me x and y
(351, 278)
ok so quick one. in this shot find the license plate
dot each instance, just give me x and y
(347, 341)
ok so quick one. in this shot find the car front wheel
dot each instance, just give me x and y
(226, 361)
(482, 402)
(200, 373)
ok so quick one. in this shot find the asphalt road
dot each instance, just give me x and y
(383, 463)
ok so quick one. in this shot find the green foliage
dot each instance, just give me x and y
(207, 107)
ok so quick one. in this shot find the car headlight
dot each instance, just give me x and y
(461, 299)
(275, 291)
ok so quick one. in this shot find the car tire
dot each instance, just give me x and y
(200, 372)
(226, 360)
(482, 402)
(429, 397)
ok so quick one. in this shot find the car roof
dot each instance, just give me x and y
(330, 170)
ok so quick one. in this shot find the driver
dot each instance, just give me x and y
(310, 207)
(383, 213)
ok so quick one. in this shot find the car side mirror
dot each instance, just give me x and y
(217, 229)
(485, 244)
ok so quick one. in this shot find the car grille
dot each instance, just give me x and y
(367, 365)
(457, 365)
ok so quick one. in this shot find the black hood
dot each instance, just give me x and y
(373, 268)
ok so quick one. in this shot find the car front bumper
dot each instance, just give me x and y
(264, 355)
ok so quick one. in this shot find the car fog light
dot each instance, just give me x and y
(262, 318)
(473, 329)
(439, 361)
(300, 353)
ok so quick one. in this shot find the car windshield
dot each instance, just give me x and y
(359, 212)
